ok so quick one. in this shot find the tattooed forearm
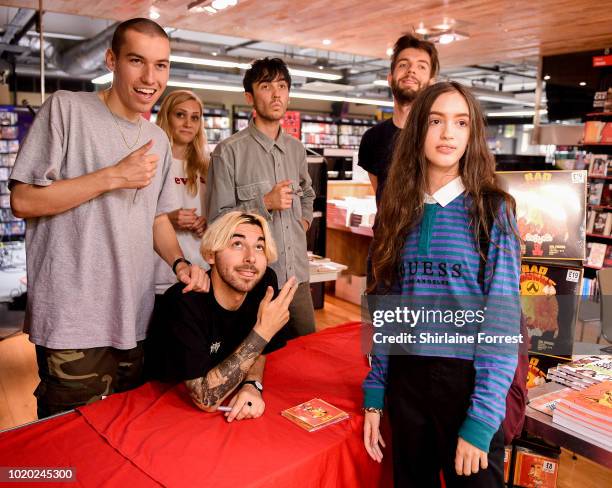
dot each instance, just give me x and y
(221, 380)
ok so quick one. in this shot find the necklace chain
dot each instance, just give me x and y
(130, 147)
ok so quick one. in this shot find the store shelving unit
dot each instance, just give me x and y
(11, 228)
(350, 131)
(216, 124)
(324, 131)
(594, 145)
(319, 131)
(240, 117)
(600, 236)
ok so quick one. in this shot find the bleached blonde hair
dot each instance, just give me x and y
(218, 234)
(196, 156)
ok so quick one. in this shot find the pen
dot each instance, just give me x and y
(223, 408)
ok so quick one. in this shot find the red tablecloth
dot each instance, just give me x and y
(159, 430)
(69, 441)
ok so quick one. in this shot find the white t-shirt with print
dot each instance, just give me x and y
(189, 242)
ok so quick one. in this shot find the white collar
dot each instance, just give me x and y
(447, 193)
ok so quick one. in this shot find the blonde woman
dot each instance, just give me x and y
(180, 116)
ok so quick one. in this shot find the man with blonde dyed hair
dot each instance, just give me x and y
(216, 342)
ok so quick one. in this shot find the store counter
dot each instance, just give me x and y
(541, 425)
(155, 435)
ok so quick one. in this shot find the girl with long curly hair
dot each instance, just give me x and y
(445, 229)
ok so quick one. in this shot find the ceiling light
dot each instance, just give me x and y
(327, 42)
(582, 83)
(517, 113)
(215, 53)
(421, 29)
(154, 13)
(445, 25)
(326, 87)
(292, 94)
(205, 86)
(334, 98)
(233, 64)
(314, 74)
(219, 63)
(237, 89)
(381, 83)
(505, 100)
(547, 77)
(446, 38)
(389, 51)
(210, 6)
(219, 4)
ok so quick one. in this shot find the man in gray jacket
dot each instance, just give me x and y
(262, 169)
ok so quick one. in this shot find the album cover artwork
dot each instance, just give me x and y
(550, 212)
(549, 303)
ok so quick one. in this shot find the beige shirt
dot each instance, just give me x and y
(246, 166)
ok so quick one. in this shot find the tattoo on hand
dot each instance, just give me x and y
(212, 388)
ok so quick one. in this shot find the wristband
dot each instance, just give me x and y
(176, 263)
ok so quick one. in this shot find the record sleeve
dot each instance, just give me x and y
(600, 222)
(550, 212)
(595, 192)
(549, 303)
(533, 470)
(597, 254)
(599, 165)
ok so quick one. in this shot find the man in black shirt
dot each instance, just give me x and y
(216, 342)
(414, 65)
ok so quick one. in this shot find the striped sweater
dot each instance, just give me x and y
(445, 240)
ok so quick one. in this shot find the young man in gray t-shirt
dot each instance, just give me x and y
(92, 182)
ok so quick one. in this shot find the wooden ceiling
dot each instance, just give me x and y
(499, 30)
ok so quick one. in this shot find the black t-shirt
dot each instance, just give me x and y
(191, 333)
(376, 151)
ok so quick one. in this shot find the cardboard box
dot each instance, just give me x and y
(351, 288)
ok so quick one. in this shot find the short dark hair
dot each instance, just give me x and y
(139, 24)
(408, 41)
(265, 69)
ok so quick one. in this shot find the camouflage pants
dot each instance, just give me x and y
(70, 378)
